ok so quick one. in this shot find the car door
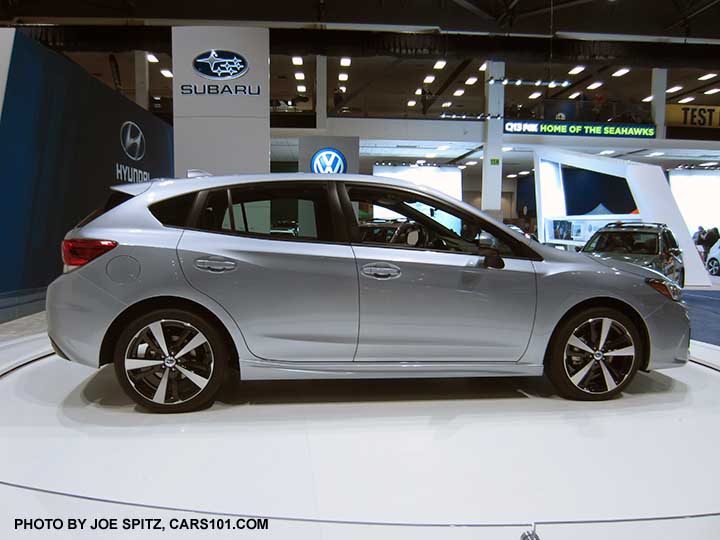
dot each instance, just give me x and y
(270, 254)
(428, 295)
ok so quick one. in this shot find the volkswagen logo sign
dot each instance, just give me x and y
(328, 161)
(132, 140)
(220, 65)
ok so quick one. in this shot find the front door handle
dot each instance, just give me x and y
(379, 270)
(217, 265)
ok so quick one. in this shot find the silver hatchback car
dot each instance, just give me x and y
(177, 282)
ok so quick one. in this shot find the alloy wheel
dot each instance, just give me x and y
(169, 362)
(713, 267)
(599, 355)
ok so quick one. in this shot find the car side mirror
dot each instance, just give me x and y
(675, 251)
(493, 260)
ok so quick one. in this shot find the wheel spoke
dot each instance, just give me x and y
(625, 351)
(199, 381)
(161, 391)
(579, 344)
(580, 375)
(135, 363)
(194, 343)
(609, 381)
(157, 331)
(606, 324)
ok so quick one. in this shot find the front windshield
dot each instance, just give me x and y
(631, 242)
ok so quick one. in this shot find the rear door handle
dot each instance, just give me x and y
(217, 265)
(381, 271)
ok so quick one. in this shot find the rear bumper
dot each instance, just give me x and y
(79, 314)
(669, 329)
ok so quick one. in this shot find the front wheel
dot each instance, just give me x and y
(171, 360)
(594, 354)
(713, 267)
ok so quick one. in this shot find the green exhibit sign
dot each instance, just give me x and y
(579, 129)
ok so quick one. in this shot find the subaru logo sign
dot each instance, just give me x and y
(220, 65)
(328, 161)
(132, 140)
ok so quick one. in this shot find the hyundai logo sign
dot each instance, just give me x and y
(328, 161)
(220, 65)
(132, 140)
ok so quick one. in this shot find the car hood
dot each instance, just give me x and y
(632, 264)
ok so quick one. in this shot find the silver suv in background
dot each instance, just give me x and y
(177, 282)
(652, 245)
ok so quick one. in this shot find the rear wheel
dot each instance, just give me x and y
(594, 354)
(171, 361)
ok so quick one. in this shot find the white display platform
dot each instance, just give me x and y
(391, 459)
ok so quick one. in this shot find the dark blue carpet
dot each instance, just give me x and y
(704, 308)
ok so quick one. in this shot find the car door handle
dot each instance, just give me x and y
(381, 271)
(215, 265)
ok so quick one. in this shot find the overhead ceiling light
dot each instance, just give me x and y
(552, 84)
(297, 61)
(655, 154)
(443, 147)
(430, 156)
(507, 148)
(483, 67)
(595, 85)
(418, 92)
(471, 80)
(707, 77)
(166, 73)
(607, 152)
(345, 61)
(458, 92)
(674, 89)
(565, 84)
(471, 163)
(342, 76)
(620, 72)
(535, 95)
(709, 164)
(712, 91)
(343, 89)
(299, 76)
(420, 161)
(512, 175)
(686, 99)
(150, 57)
(524, 173)
(439, 64)
(576, 70)
(156, 98)
(429, 79)
(411, 103)
(301, 88)
(647, 99)
(505, 81)
(518, 82)
(574, 95)
(447, 104)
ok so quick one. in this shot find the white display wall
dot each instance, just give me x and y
(698, 196)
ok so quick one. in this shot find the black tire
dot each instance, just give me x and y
(565, 361)
(206, 364)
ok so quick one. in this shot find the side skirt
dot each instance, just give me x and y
(256, 369)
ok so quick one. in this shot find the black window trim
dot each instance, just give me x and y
(351, 222)
(338, 234)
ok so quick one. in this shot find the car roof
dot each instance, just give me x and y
(633, 227)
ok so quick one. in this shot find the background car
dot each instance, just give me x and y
(651, 245)
(713, 260)
(177, 282)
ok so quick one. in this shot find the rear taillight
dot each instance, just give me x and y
(80, 251)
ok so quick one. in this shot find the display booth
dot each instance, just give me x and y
(615, 190)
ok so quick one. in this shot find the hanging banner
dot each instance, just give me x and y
(579, 129)
(702, 116)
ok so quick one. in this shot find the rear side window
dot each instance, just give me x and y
(283, 212)
(174, 212)
(116, 198)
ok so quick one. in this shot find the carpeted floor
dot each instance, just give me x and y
(704, 307)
